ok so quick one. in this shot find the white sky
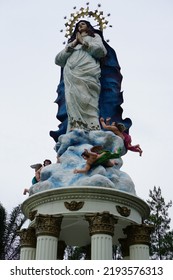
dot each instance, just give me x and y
(142, 36)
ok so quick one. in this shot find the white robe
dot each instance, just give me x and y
(81, 79)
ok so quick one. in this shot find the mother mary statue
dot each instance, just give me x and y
(90, 83)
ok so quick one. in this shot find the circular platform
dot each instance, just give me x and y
(73, 203)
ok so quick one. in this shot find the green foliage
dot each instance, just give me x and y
(117, 254)
(161, 238)
(84, 253)
(9, 239)
(77, 253)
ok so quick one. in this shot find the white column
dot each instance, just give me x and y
(47, 231)
(101, 227)
(101, 247)
(139, 252)
(27, 253)
(27, 244)
(47, 247)
(138, 237)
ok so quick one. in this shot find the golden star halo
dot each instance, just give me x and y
(97, 15)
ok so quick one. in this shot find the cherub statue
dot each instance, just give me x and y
(38, 167)
(119, 129)
(98, 156)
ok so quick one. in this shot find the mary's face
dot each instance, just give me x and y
(82, 26)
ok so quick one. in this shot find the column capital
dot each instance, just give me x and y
(101, 223)
(27, 237)
(138, 234)
(48, 225)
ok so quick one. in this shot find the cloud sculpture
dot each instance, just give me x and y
(69, 149)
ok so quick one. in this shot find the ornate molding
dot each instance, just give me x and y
(101, 223)
(138, 234)
(74, 205)
(27, 237)
(83, 193)
(123, 210)
(48, 225)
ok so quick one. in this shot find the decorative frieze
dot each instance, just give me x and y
(101, 223)
(96, 196)
(48, 225)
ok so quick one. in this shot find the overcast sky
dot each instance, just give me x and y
(142, 36)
